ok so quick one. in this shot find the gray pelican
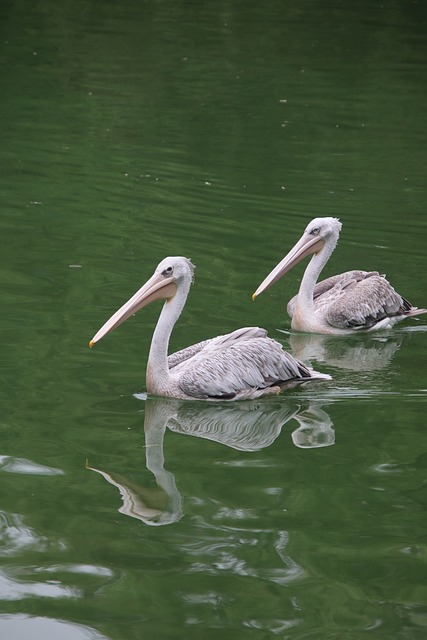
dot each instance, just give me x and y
(242, 364)
(343, 304)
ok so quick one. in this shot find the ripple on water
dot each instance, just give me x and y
(13, 589)
(23, 466)
(39, 628)
(16, 537)
(239, 552)
(20, 581)
(86, 569)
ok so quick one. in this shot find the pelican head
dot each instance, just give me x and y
(318, 233)
(171, 274)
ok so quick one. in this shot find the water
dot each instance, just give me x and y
(132, 131)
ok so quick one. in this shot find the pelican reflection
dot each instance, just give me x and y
(316, 429)
(361, 353)
(153, 506)
(249, 426)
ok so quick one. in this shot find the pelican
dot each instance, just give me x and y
(350, 302)
(242, 364)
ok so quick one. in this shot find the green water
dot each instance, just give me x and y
(132, 131)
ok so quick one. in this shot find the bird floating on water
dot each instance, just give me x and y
(343, 304)
(243, 364)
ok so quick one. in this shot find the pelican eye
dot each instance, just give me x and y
(315, 231)
(168, 271)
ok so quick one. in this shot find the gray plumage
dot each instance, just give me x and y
(346, 303)
(243, 364)
(357, 300)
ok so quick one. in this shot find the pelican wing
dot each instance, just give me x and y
(185, 354)
(214, 343)
(361, 304)
(341, 281)
(230, 367)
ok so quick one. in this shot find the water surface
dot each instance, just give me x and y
(133, 131)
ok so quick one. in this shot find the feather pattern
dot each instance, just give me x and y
(240, 364)
(355, 299)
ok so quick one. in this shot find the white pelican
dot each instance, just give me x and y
(242, 364)
(346, 303)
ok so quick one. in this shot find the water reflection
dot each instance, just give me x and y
(163, 504)
(11, 464)
(315, 430)
(359, 353)
(13, 588)
(25, 626)
(249, 426)
(16, 537)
